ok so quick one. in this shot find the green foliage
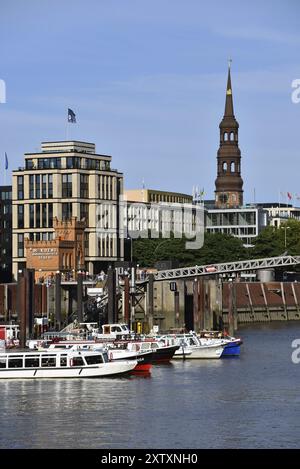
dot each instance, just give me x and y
(217, 248)
(274, 241)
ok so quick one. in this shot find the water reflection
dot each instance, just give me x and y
(248, 402)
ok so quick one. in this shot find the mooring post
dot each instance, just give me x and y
(126, 300)
(29, 301)
(230, 309)
(57, 318)
(176, 307)
(111, 291)
(80, 296)
(234, 302)
(150, 300)
(21, 305)
(196, 304)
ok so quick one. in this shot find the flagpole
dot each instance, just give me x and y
(67, 128)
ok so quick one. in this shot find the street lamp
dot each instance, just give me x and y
(285, 228)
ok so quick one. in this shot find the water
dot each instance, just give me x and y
(247, 402)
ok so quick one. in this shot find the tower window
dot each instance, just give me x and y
(232, 167)
(231, 136)
(224, 166)
(225, 136)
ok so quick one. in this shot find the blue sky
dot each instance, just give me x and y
(147, 81)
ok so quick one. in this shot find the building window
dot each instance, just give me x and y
(44, 215)
(50, 186)
(84, 186)
(232, 167)
(38, 215)
(73, 162)
(20, 216)
(31, 186)
(49, 163)
(20, 188)
(31, 215)
(44, 186)
(86, 244)
(38, 186)
(50, 215)
(84, 213)
(224, 166)
(67, 186)
(67, 211)
(20, 245)
(29, 164)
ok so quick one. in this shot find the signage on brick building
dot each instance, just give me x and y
(44, 253)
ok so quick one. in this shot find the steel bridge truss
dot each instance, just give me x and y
(227, 268)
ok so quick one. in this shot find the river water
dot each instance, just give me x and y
(248, 402)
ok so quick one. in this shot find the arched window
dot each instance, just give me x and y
(232, 167)
(224, 166)
(225, 136)
(231, 136)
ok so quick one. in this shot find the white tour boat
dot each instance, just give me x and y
(191, 347)
(60, 364)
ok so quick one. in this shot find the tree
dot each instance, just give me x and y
(217, 248)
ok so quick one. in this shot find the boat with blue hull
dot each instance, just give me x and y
(232, 349)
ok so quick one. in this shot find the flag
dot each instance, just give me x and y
(289, 195)
(6, 161)
(71, 116)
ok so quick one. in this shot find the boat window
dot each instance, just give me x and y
(124, 328)
(94, 359)
(32, 362)
(146, 346)
(77, 361)
(2, 362)
(49, 360)
(63, 360)
(154, 346)
(15, 363)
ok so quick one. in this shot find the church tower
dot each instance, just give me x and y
(229, 184)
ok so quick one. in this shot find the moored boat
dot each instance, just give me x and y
(189, 347)
(60, 364)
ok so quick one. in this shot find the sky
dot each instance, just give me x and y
(146, 80)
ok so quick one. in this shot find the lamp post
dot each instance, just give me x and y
(285, 239)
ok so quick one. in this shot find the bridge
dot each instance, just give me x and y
(227, 268)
